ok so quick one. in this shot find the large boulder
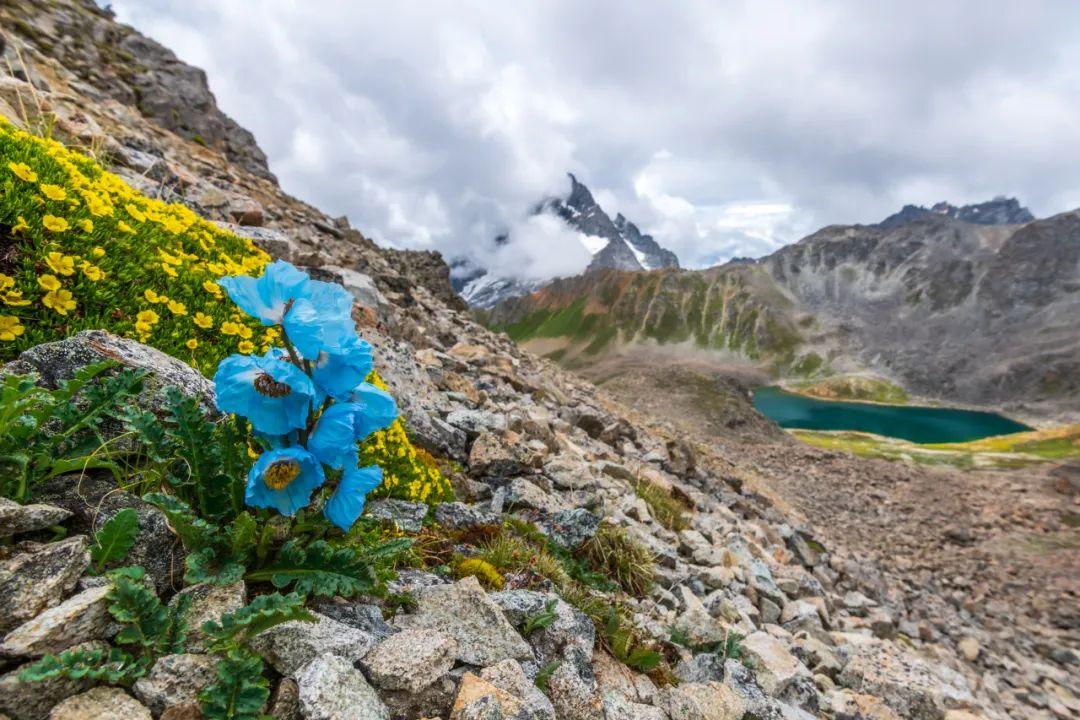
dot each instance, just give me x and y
(331, 688)
(60, 360)
(410, 660)
(100, 703)
(16, 518)
(35, 577)
(290, 645)
(80, 618)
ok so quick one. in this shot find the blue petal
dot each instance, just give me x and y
(269, 296)
(338, 373)
(322, 320)
(296, 494)
(244, 291)
(303, 326)
(234, 384)
(347, 502)
(379, 409)
(334, 438)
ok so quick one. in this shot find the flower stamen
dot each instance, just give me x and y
(268, 386)
(280, 474)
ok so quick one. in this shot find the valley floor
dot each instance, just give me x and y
(987, 561)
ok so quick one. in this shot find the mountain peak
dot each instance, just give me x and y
(999, 211)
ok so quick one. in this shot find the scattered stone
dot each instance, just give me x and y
(705, 701)
(175, 680)
(460, 516)
(362, 616)
(701, 668)
(293, 644)
(508, 675)
(100, 703)
(520, 493)
(969, 648)
(16, 518)
(475, 422)
(774, 667)
(477, 699)
(362, 287)
(499, 455)
(34, 577)
(571, 627)
(572, 686)
(81, 618)
(406, 516)
(330, 688)
(410, 660)
(572, 528)
(465, 612)
(209, 602)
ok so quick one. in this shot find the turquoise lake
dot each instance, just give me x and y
(917, 424)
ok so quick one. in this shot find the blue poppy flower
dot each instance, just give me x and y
(343, 424)
(347, 502)
(321, 321)
(274, 395)
(338, 373)
(268, 297)
(284, 480)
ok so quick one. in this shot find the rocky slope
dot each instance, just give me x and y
(829, 630)
(979, 313)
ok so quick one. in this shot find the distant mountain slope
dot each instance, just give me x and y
(982, 313)
(999, 211)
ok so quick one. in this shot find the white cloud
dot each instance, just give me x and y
(722, 128)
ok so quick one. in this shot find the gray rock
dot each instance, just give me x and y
(617, 707)
(434, 701)
(33, 700)
(499, 455)
(175, 680)
(474, 422)
(508, 675)
(459, 516)
(780, 673)
(285, 702)
(407, 516)
(362, 288)
(81, 618)
(705, 701)
(94, 500)
(571, 528)
(573, 687)
(520, 493)
(34, 577)
(570, 628)
(478, 699)
(740, 680)
(701, 668)
(100, 703)
(209, 602)
(290, 645)
(330, 688)
(16, 518)
(466, 613)
(362, 616)
(60, 360)
(410, 660)
(275, 242)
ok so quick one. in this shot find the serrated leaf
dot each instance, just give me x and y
(318, 569)
(261, 614)
(115, 538)
(194, 532)
(239, 691)
(206, 566)
(243, 534)
(113, 666)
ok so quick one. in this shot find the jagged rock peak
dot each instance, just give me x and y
(999, 211)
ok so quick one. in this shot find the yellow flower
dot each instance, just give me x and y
(212, 287)
(98, 252)
(87, 225)
(100, 208)
(230, 328)
(135, 212)
(10, 328)
(59, 300)
(53, 192)
(14, 298)
(151, 296)
(245, 332)
(23, 171)
(21, 225)
(91, 271)
(125, 228)
(169, 270)
(177, 308)
(246, 346)
(49, 282)
(54, 224)
(143, 328)
(59, 263)
(147, 316)
(192, 343)
(203, 320)
(170, 259)
(6, 281)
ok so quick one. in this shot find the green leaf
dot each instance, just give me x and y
(544, 675)
(115, 538)
(261, 614)
(113, 666)
(145, 622)
(243, 534)
(542, 619)
(239, 691)
(318, 569)
(207, 565)
(194, 532)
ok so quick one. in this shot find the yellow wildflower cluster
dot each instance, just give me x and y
(91, 252)
(409, 473)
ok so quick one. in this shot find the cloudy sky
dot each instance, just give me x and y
(722, 128)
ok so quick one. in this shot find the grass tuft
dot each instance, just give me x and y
(615, 553)
(665, 509)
